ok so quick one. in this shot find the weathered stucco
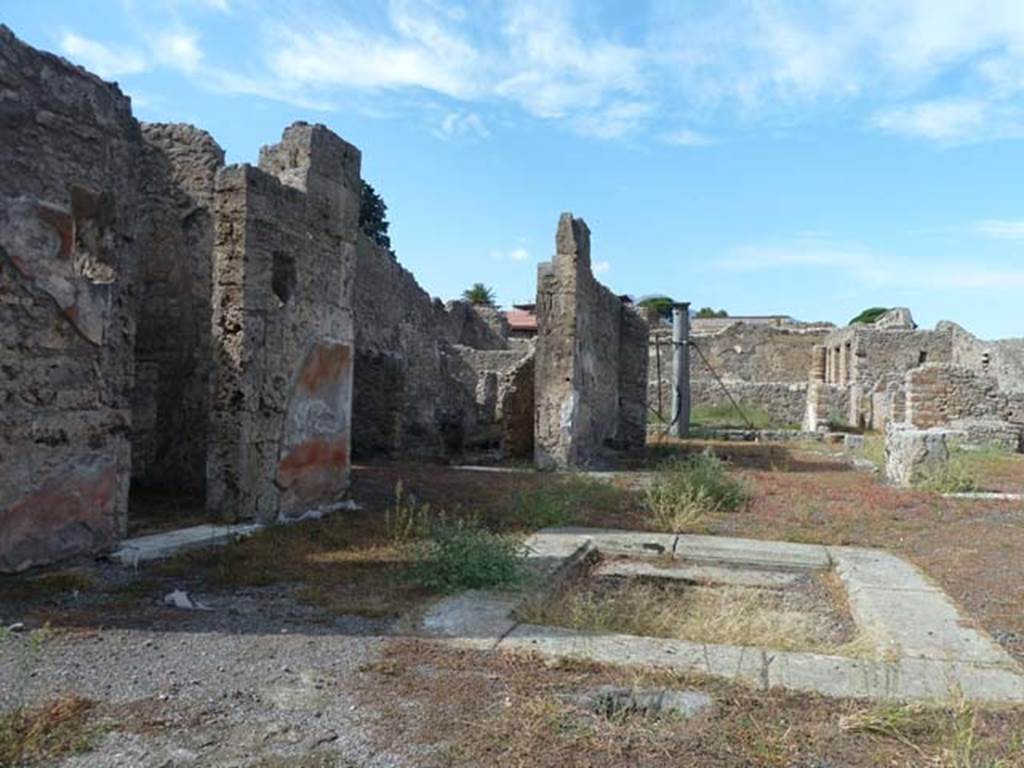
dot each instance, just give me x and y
(71, 218)
(284, 255)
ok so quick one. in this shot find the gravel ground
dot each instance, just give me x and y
(260, 680)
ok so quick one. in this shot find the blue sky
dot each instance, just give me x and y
(765, 157)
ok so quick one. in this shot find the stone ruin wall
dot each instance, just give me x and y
(282, 371)
(165, 321)
(430, 379)
(762, 365)
(901, 375)
(171, 394)
(71, 225)
(591, 360)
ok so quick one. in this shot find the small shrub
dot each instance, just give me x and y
(686, 490)
(463, 555)
(955, 476)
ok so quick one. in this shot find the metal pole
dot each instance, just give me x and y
(681, 369)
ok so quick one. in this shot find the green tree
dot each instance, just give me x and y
(373, 218)
(660, 304)
(479, 293)
(709, 312)
(869, 316)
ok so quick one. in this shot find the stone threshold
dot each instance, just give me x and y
(924, 649)
(157, 546)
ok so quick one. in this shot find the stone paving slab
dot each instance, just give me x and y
(923, 649)
(160, 545)
(714, 574)
(774, 554)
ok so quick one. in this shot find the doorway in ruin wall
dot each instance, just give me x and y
(171, 389)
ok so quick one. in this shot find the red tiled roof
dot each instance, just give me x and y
(521, 320)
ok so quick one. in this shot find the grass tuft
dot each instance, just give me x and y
(563, 500)
(406, 520)
(43, 734)
(726, 415)
(686, 490)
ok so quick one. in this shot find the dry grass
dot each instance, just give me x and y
(708, 614)
(45, 585)
(519, 710)
(43, 734)
(342, 564)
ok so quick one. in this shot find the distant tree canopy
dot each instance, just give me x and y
(478, 293)
(869, 316)
(709, 312)
(660, 304)
(373, 218)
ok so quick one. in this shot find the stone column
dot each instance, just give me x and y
(681, 369)
(816, 387)
(844, 368)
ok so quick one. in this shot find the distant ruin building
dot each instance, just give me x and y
(591, 360)
(892, 372)
(762, 362)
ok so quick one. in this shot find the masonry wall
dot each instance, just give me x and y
(428, 376)
(762, 365)
(70, 225)
(409, 398)
(282, 327)
(939, 394)
(170, 399)
(591, 360)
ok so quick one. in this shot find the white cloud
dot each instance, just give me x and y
(417, 51)
(601, 267)
(948, 119)
(859, 265)
(105, 61)
(684, 137)
(949, 71)
(614, 121)
(462, 124)
(178, 50)
(556, 70)
(518, 254)
(953, 121)
(1002, 229)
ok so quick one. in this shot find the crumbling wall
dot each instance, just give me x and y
(282, 323)
(409, 397)
(70, 220)
(868, 363)
(590, 379)
(938, 394)
(429, 377)
(170, 399)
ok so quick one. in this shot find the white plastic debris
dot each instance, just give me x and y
(179, 598)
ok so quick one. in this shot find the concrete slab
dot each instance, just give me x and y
(160, 545)
(985, 496)
(772, 554)
(923, 648)
(710, 574)
(475, 619)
